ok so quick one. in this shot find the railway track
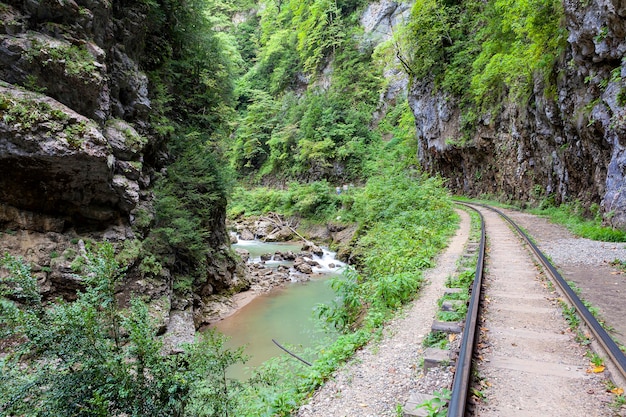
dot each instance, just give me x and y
(527, 360)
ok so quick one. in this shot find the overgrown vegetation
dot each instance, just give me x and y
(321, 132)
(90, 357)
(316, 201)
(579, 222)
(75, 60)
(438, 405)
(191, 59)
(587, 223)
(190, 202)
(405, 218)
(482, 53)
(289, 95)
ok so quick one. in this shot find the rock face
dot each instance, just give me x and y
(71, 100)
(59, 163)
(379, 21)
(569, 147)
(78, 156)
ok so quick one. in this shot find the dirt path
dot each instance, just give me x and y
(382, 375)
(587, 263)
(530, 363)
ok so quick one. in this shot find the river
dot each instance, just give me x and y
(286, 314)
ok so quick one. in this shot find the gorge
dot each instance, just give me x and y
(146, 124)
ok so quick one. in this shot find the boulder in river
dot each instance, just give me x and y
(281, 234)
(289, 256)
(301, 265)
(246, 234)
(311, 247)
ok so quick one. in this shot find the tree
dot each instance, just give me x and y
(320, 31)
(429, 34)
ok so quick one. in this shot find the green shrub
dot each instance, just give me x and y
(92, 358)
(316, 201)
(577, 220)
(76, 60)
(150, 266)
(436, 339)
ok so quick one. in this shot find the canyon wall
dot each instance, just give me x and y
(79, 157)
(563, 145)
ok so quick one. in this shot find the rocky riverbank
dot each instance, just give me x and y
(276, 268)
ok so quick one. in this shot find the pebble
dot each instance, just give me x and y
(580, 251)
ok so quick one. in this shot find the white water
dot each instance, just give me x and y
(286, 314)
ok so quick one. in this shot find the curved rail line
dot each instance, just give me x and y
(461, 383)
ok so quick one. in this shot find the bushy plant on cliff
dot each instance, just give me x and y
(92, 358)
(320, 31)
(519, 39)
(192, 60)
(250, 151)
(483, 51)
(190, 204)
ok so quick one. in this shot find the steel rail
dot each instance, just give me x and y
(461, 382)
(604, 339)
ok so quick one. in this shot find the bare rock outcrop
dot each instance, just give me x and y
(568, 145)
(78, 155)
(58, 163)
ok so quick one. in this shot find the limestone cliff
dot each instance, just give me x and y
(568, 145)
(78, 156)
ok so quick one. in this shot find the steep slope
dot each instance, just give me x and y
(86, 134)
(562, 140)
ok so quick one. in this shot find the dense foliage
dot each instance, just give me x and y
(307, 103)
(191, 63)
(190, 203)
(483, 52)
(92, 358)
(405, 219)
(288, 92)
(192, 59)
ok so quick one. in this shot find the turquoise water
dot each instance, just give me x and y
(286, 315)
(257, 248)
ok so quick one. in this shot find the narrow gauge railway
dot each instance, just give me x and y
(532, 366)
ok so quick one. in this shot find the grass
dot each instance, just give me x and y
(619, 264)
(437, 340)
(452, 316)
(572, 217)
(405, 219)
(586, 223)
